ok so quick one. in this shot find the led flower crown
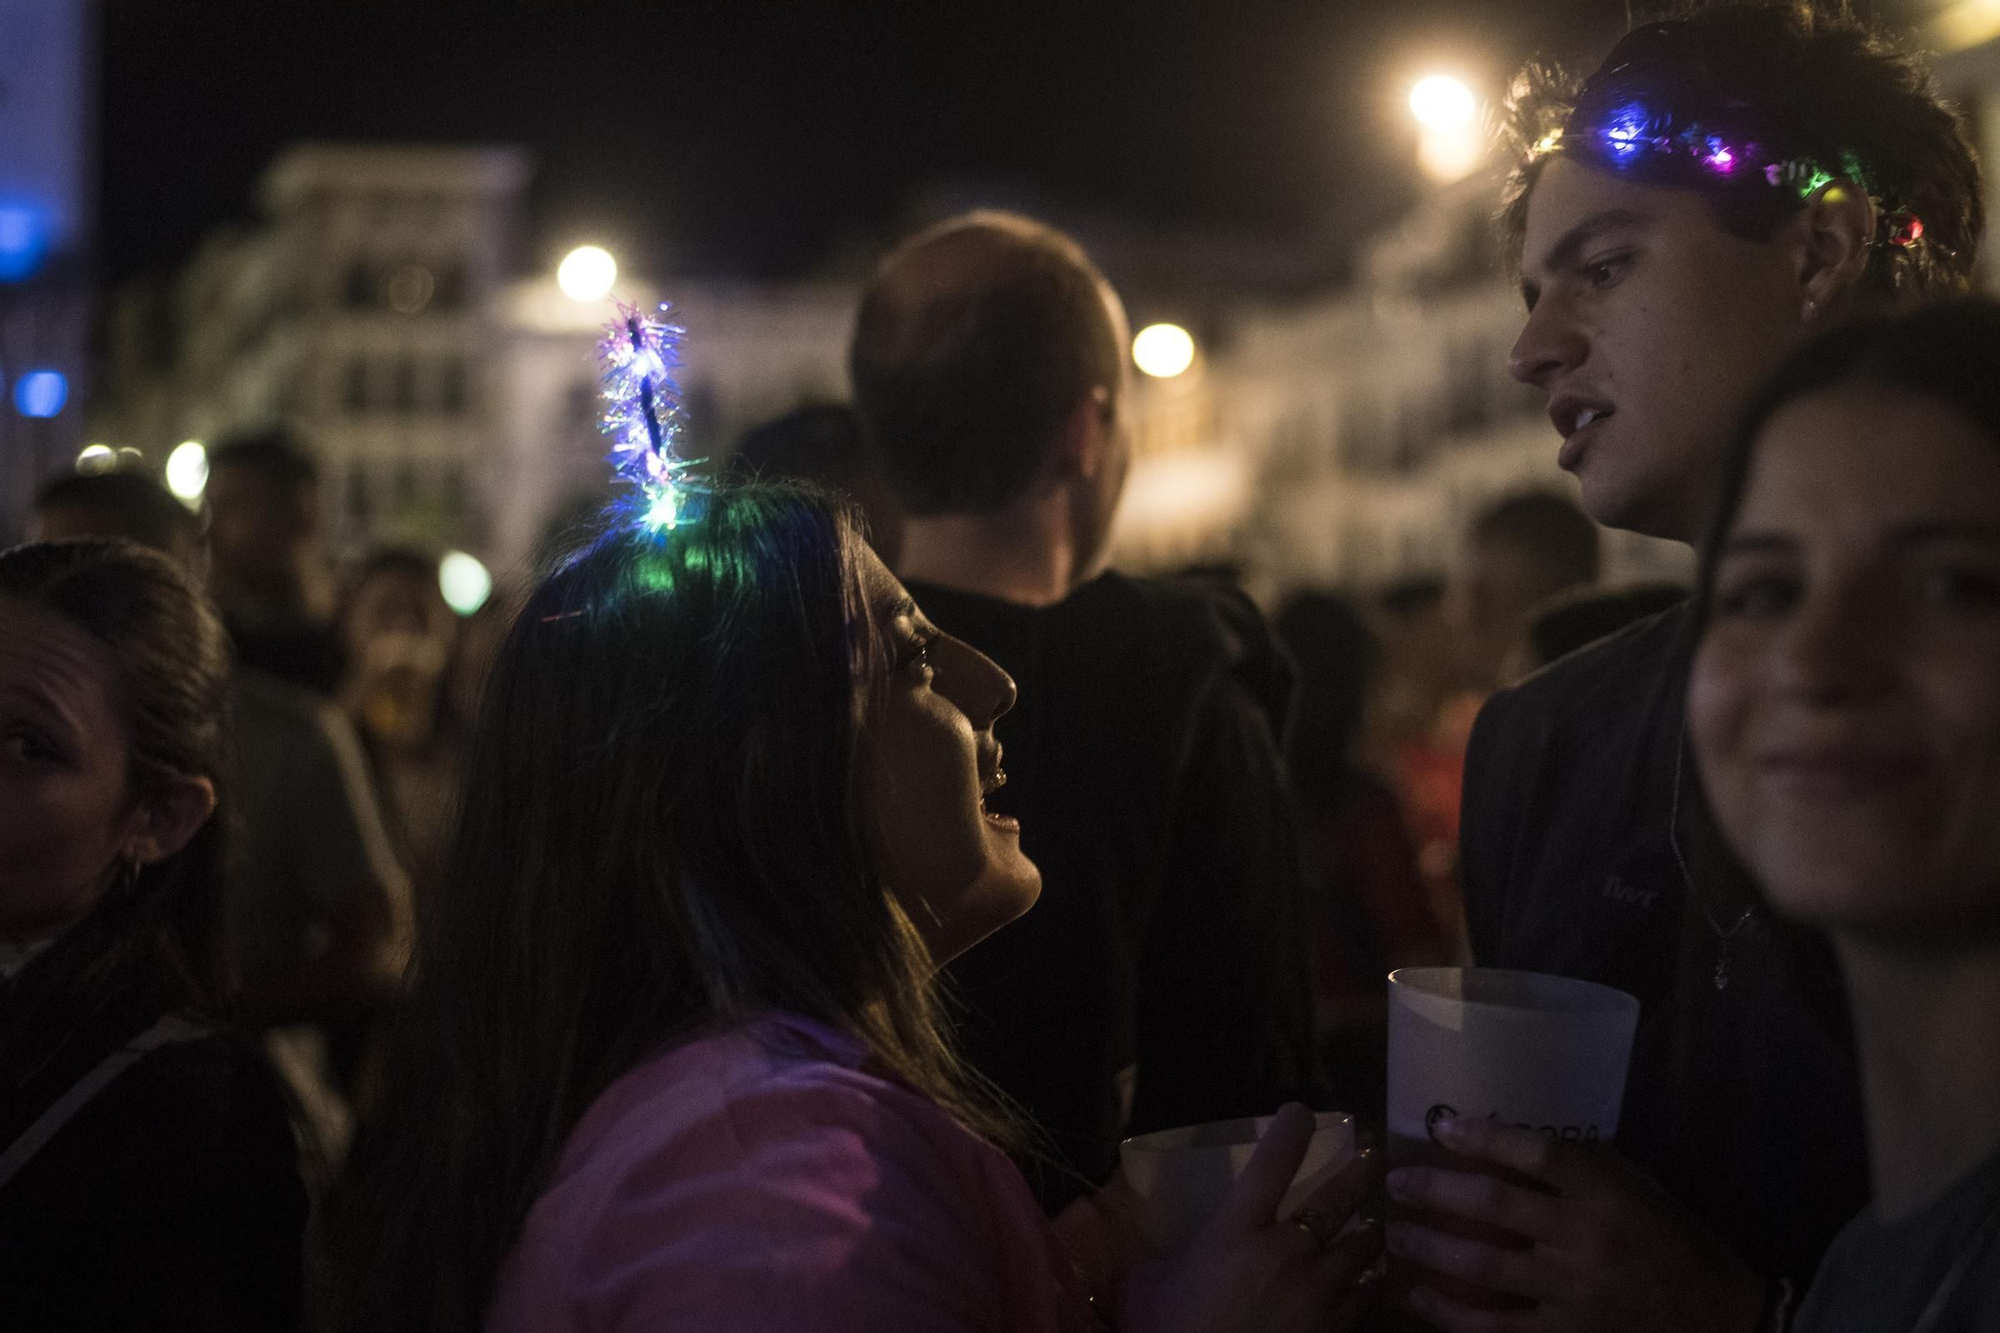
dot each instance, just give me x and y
(1625, 121)
(642, 414)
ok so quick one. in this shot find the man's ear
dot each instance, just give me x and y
(1837, 235)
(167, 820)
(1084, 444)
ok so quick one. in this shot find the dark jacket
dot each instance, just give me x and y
(1744, 1099)
(170, 1199)
(1169, 939)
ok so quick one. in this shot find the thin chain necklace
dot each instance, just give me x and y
(1724, 938)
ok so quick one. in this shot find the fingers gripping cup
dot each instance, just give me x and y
(1181, 1176)
(1545, 1053)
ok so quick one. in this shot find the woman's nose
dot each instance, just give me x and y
(981, 689)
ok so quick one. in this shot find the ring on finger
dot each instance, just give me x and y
(1322, 1227)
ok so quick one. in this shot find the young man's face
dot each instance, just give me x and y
(1648, 327)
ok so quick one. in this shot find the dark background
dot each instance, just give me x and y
(758, 139)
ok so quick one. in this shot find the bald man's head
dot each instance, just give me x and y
(976, 340)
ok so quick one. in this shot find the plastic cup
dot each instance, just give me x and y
(1541, 1052)
(1545, 1052)
(1181, 1176)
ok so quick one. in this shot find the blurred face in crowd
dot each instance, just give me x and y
(399, 635)
(1845, 700)
(930, 760)
(398, 605)
(1496, 584)
(1104, 455)
(260, 532)
(67, 816)
(1648, 326)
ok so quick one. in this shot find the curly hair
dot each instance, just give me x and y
(1807, 75)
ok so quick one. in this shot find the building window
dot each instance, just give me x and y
(581, 409)
(451, 386)
(358, 507)
(450, 290)
(1467, 406)
(403, 386)
(357, 288)
(354, 387)
(452, 492)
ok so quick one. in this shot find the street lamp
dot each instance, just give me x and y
(586, 273)
(1451, 143)
(464, 581)
(1441, 101)
(187, 472)
(1163, 350)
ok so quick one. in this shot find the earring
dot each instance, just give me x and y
(1812, 309)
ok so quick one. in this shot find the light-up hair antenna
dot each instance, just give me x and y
(642, 413)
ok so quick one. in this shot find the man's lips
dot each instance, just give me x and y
(1577, 418)
(1571, 412)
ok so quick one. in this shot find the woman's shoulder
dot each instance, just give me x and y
(765, 1177)
(726, 1097)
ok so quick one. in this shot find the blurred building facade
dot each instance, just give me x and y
(47, 211)
(1326, 432)
(377, 313)
(357, 315)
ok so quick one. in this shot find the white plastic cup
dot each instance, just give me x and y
(1547, 1053)
(1181, 1176)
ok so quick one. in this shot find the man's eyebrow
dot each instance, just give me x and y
(1572, 243)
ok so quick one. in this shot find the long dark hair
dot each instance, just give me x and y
(1949, 351)
(154, 938)
(659, 835)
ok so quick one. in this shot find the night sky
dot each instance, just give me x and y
(735, 137)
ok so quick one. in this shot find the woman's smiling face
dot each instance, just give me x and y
(1845, 699)
(928, 760)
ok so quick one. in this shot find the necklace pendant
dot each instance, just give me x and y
(1722, 974)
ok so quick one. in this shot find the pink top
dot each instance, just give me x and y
(761, 1179)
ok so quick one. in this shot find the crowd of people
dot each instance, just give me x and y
(777, 920)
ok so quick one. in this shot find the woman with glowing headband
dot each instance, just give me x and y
(672, 1057)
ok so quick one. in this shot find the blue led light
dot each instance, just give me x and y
(40, 393)
(24, 241)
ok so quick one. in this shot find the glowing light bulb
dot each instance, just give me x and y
(187, 471)
(41, 393)
(1163, 350)
(464, 581)
(664, 512)
(586, 273)
(1440, 102)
